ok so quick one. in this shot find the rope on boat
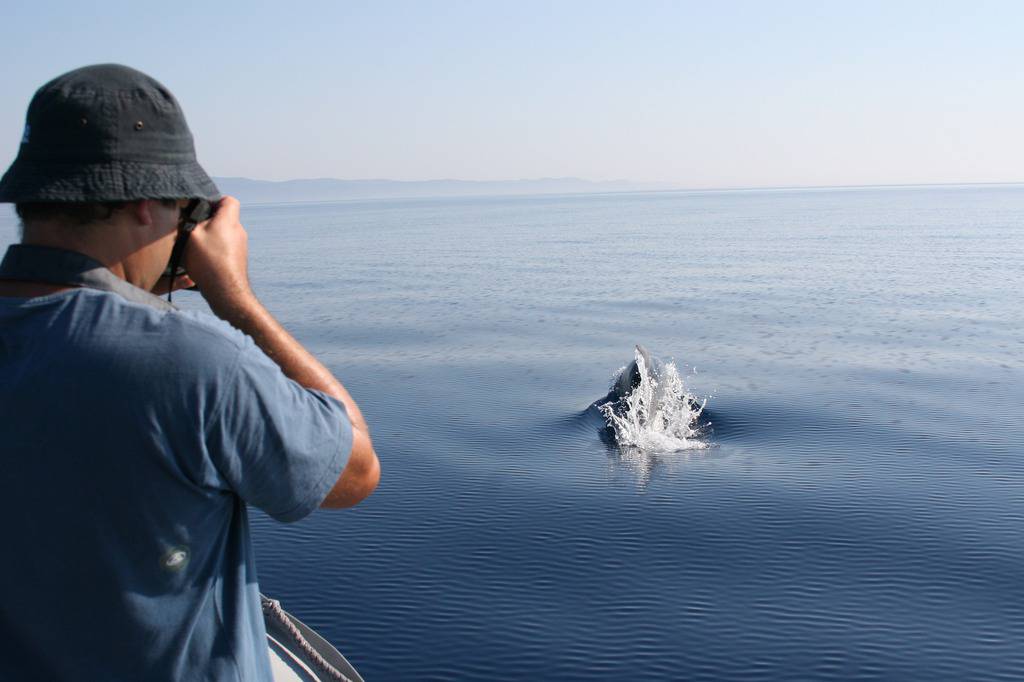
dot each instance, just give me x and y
(272, 608)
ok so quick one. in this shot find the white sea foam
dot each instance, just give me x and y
(658, 415)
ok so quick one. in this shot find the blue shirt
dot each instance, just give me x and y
(132, 439)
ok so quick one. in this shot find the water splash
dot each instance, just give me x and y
(658, 415)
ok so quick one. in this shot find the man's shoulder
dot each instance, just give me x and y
(191, 339)
(193, 327)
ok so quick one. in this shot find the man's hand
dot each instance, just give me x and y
(217, 258)
(167, 283)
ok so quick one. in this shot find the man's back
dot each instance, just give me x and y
(132, 439)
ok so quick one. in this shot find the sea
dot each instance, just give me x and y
(848, 504)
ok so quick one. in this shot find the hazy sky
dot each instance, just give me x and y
(703, 94)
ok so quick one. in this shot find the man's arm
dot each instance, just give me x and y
(217, 260)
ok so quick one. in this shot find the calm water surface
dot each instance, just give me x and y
(859, 514)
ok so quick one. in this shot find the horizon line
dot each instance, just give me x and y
(673, 186)
(680, 189)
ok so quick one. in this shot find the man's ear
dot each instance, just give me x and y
(142, 210)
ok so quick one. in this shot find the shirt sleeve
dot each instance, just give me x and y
(278, 445)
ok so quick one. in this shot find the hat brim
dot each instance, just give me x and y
(28, 182)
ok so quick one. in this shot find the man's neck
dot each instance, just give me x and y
(59, 240)
(134, 245)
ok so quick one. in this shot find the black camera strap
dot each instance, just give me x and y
(176, 253)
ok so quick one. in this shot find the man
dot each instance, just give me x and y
(134, 434)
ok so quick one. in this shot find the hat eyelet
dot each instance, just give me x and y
(138, 125)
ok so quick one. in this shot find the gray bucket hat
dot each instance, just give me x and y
(105, 133)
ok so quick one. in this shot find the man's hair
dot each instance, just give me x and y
(72, 213)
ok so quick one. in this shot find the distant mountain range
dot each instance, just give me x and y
(327, 189)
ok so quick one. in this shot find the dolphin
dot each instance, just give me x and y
(659, 386)
(631, 376)
(628, 379)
